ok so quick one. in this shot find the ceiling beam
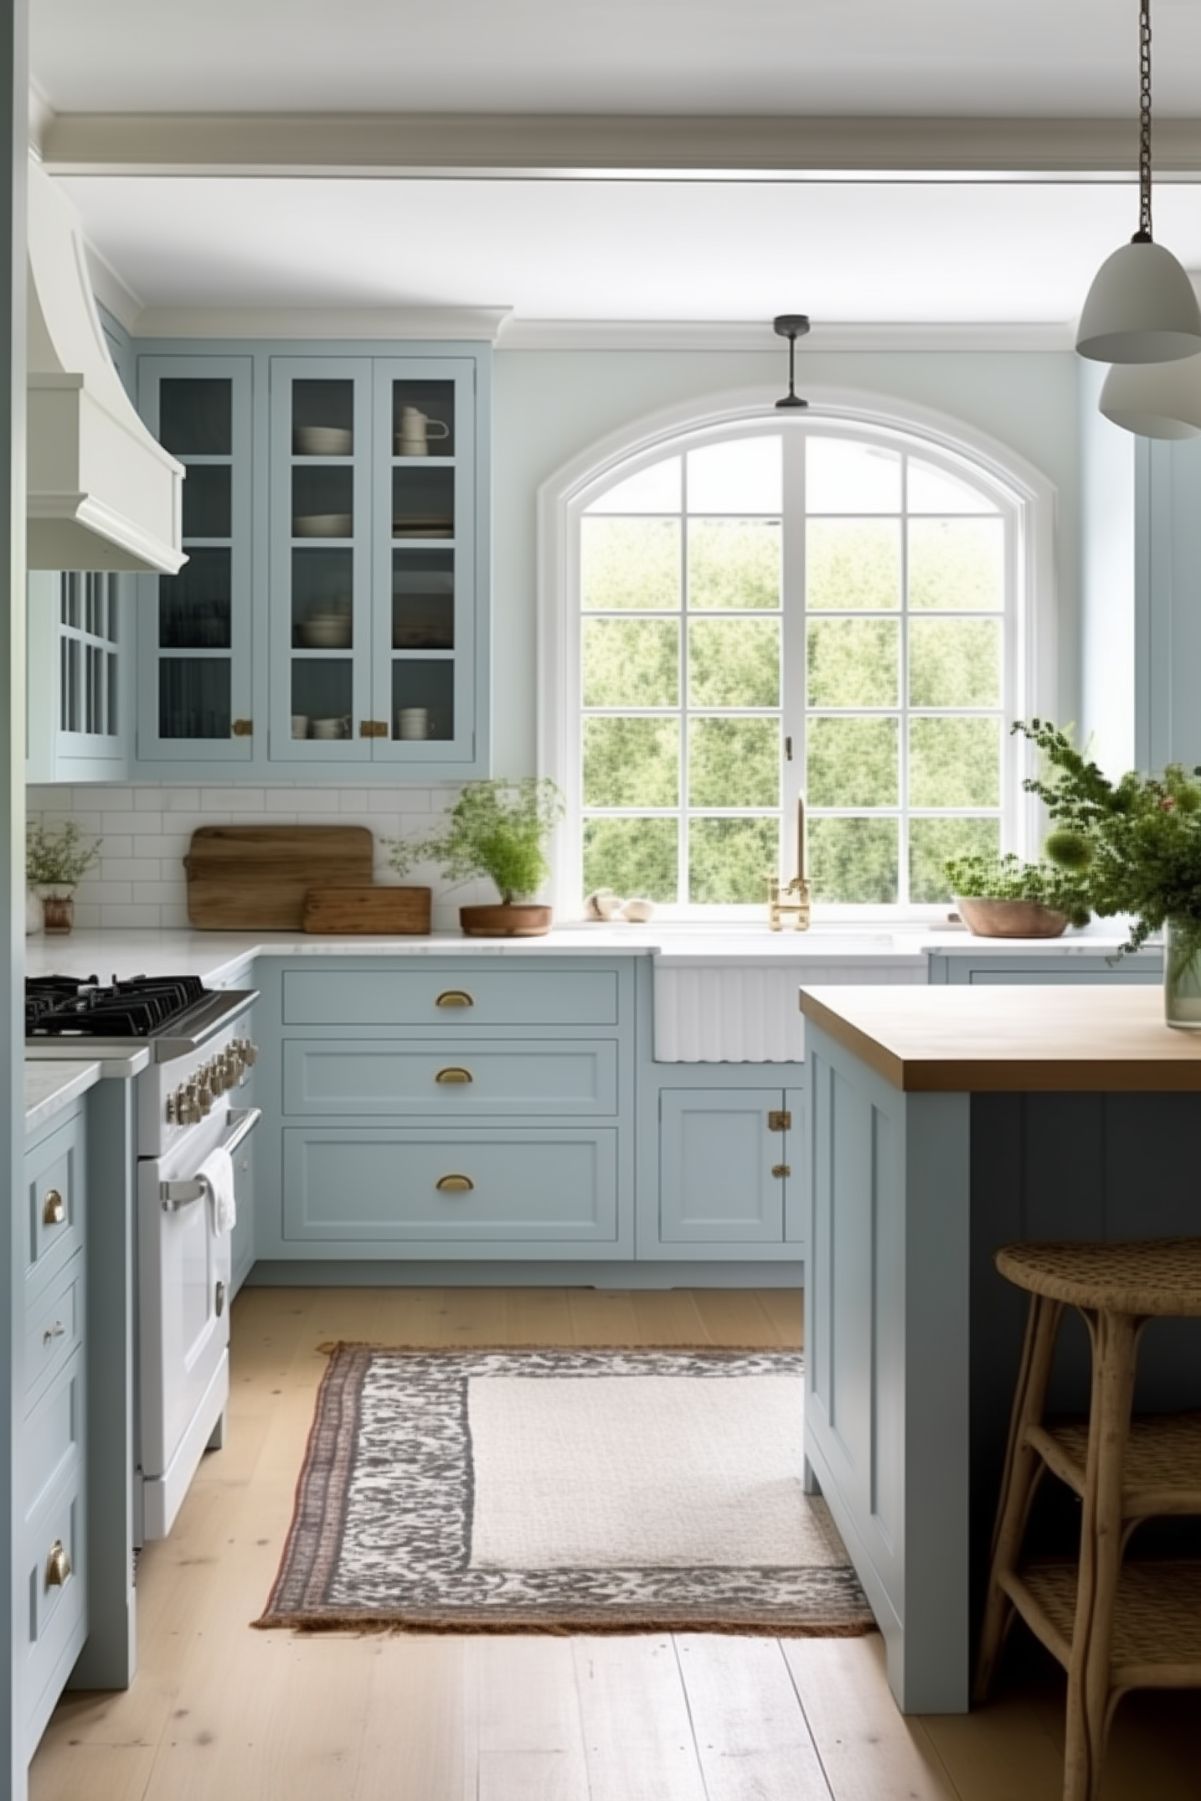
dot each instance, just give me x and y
(616, 146)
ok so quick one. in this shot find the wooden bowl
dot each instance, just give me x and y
(1009, 918)
(499, 921)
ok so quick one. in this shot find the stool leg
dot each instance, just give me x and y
(1023, 1468)
(1114, 1343)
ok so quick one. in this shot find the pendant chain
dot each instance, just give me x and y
(1144, 121)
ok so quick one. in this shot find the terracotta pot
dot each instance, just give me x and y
(1009, 918)
(501, 921)
(58, 911)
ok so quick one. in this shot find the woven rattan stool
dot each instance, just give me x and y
(1113, 1628)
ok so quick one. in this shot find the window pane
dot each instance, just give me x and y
(957, 565)
(854, 861)
(743, 476)
(631, 663)
(853, 662)
(631, 763)
(653, 490)
(934, 490)
(734, 662)
(955, 762)
(844, 477)
(626, 564)
(955, 663)
(632, 856)
(734, 762)
(734, 563)
(729, 860)
(932, 841)
(852, 762)
(853, 565)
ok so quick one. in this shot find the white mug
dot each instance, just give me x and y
(413, 722)
(329, 728)
(300, 725)
(416, 429)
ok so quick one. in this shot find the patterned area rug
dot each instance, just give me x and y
(562, 1491)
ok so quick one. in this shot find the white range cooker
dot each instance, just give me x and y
(185, 1107)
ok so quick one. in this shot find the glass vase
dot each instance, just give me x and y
(1182, 974)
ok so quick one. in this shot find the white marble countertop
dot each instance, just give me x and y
(49, 1087)
(219, 958)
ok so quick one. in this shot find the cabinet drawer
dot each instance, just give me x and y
(466, 1186)
(453, 1080)
(54, 1328)
(458, 999)
(51, 1580)
(54, 1202)
(52, 1436)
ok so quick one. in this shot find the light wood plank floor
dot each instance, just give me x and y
(221, 1713)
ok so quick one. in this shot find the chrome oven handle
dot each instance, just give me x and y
(176, 1195)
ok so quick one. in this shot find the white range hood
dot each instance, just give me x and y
(103, 494)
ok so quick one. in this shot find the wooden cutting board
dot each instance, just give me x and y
(391, 912)
(246, 876)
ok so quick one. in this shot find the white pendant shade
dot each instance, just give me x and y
(1141, 308)
(1155, 400)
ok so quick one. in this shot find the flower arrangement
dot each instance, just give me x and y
(58, 859)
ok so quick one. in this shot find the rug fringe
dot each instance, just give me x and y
(584, 1626)
(331, 1347)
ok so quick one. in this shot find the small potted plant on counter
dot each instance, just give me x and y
(1003, 897)
(56, 861)
(1135, 846)
(499, 829)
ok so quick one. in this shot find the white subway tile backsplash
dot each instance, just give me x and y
(125, 918)
(181, 800)
(231, 800)
(150, 800)
(165, 844)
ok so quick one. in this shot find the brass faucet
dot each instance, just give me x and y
(791, 899)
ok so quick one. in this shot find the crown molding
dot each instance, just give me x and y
(613, 146)
(753, 335)
(459, 323)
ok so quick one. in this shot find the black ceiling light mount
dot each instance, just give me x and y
(791, 326)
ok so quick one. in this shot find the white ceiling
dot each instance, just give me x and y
(602, 250)
(914, 57)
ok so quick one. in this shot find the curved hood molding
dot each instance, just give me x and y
(103, 494)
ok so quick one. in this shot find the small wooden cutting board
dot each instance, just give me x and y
(390, 912)
(245, 876)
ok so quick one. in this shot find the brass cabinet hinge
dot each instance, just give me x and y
(781, 1169)
(242, 728)
(779, 1120)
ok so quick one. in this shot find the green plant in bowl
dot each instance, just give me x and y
(1005, 897)
(500, 829)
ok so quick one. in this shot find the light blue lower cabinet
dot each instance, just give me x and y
(458, 1080)
(490, 1193)
(722, 1173)
(1002, 968)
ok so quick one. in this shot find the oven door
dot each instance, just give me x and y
(183, 1317)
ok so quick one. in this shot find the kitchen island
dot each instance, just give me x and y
(943, 1123)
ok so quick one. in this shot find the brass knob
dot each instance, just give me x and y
(54, 1208)
(454, 997)
(58, 1565)
(781, 1169)
(455, 1184)
(454, 1078)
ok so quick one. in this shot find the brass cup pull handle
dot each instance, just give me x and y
(454, 997)
(58, 1565)
(54, 1208)
(454, 1077)
(455, 1185)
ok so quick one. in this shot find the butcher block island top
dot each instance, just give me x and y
(996, 1040)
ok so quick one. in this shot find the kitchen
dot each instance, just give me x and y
(343, 556)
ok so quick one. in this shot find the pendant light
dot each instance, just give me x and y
(1155, 400)
(1141, 307)
(791, 326)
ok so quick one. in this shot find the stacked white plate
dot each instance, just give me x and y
(323, 525)
(325, 631)
(322, 441)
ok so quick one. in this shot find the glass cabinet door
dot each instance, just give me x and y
(425, 561)
(196, 677)
(89, 669)
(320, 559)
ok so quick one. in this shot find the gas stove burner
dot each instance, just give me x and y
(61, 1007)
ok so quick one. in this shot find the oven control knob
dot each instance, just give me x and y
(173, 1117)
(250, 1052)
(216, 1076)
(204, 1095)
(233, 1067)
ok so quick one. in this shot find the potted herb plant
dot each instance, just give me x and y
(56, 861)
(1003, 897)
(1135, 844)
(499, 829)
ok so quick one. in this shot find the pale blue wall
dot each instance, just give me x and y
(550, 405)
(1108, 662)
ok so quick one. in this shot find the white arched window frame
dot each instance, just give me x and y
(1022, 495)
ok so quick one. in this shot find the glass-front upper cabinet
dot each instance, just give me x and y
(196, 656)
(373, 560)
(78, 687)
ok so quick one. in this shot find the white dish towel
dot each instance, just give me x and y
(218, 1171)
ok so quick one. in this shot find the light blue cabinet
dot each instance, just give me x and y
(720, 1166)
(1002, 968)
(79, 676)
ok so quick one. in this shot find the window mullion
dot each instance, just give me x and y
(792, 632)
(903, 697)
(682, 824)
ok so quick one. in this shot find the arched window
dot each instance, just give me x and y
(763, 609)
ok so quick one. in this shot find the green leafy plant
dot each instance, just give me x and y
(1008, 878)
(58, 859)
(499, 829)
(1134, 844)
